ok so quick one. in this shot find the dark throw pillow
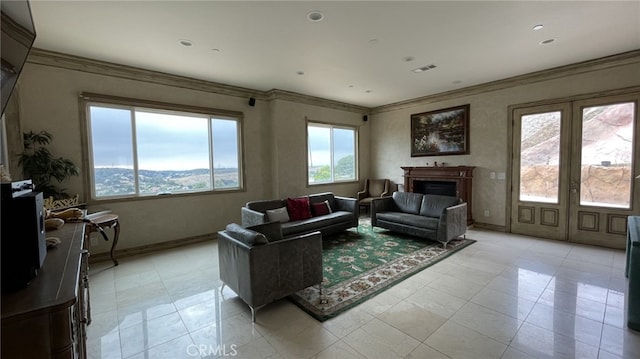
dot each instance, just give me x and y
(298, 208)
(320, 208)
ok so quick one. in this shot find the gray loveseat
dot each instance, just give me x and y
(344, 215)
(262, 267)
(438, 218)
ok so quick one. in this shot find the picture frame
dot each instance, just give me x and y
(440, 132)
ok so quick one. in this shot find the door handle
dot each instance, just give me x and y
(574, 187)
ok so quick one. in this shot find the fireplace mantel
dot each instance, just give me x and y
(460, 175)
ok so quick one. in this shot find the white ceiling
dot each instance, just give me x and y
(355, 55)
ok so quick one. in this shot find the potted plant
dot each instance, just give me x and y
(42, 167)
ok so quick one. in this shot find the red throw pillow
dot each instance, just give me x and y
(298, 208)
(320, 209)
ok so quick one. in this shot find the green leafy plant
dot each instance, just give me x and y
(42, 167)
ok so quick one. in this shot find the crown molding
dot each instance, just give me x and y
(622, 59)
(276, 94)
(83, 64)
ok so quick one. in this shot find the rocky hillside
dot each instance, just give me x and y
(607, 136)
(606, 154)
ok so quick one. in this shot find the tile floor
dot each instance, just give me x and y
(505, 296)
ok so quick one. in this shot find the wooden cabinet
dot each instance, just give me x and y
(452, 181)
(48, 318)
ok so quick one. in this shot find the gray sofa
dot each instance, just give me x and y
(262, 267)
(438, 218)
(344, 215)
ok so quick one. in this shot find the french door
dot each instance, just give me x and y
(574, 168)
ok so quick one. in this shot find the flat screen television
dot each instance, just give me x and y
(18, 34)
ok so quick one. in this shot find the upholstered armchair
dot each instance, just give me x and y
(373, 188)
(262, 267)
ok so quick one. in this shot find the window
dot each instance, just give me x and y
(145, 151)
(331, 153)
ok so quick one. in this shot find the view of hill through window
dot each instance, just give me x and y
(606, 156)
(149, 152)
(119, 181)
(331, 153)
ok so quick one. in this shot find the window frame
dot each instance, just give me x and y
(332, 126)
(131, 104)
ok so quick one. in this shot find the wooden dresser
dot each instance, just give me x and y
(48, 318)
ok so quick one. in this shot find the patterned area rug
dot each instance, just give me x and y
(359, 265)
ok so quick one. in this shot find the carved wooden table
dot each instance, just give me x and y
(108, 220)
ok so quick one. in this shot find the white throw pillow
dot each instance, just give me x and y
(278, 215)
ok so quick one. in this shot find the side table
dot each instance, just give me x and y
(104, 221)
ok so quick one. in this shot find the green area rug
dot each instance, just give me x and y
(359, 265)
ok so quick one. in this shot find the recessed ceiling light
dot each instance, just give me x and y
(300, 73)
(350, 86)
(368, 91)
(374, 41)
(456, 82)
(408, 58)
(547, 41)
(538, 27)
(315, 16)
(217, 51)
(185, 42)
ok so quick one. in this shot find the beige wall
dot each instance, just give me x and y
(275, 140)
(274, 150)
(289, 147)
(489, 125)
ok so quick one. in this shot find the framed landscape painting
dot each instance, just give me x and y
(440, 132)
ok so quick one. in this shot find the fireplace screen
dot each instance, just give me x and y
(443, 188)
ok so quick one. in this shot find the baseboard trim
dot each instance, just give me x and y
(491, 227)
(150, 248)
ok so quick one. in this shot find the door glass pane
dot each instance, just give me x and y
(607, 150)
(540, 157)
